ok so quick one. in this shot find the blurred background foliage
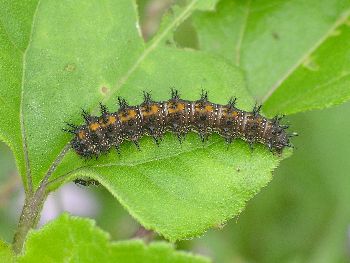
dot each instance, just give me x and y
(303, 215)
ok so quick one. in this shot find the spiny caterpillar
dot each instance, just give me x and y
(100, 133)
(86, 182)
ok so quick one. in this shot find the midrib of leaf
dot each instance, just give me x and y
(130, 164)
(242, 33)
(23, 131)
(312, 91)
(185, 13)
(62, 177)
(151, 47)
(341, 20)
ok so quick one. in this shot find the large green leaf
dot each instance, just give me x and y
(83, 52)
(284, 48)
(73, 239)
(211, 186)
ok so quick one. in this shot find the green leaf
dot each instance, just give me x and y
(74, 239)
(284, 48)
(84, 52)
(15, 25)
(322, 80)
(211, 186)
(6, 254)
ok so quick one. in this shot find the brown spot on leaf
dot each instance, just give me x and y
(275, 35)
(104, 90)
(70, 67)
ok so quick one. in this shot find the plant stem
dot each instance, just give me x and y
(29, 217)
(33, 205)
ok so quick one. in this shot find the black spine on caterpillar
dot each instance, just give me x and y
(101, 133)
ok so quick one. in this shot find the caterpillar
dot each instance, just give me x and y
(86, 182)
(101, 133)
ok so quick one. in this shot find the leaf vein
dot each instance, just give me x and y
(341, 20)
(242, 33)
(151, 47)
(22, 123)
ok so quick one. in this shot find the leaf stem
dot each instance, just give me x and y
(33, 205)
(29, 217)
